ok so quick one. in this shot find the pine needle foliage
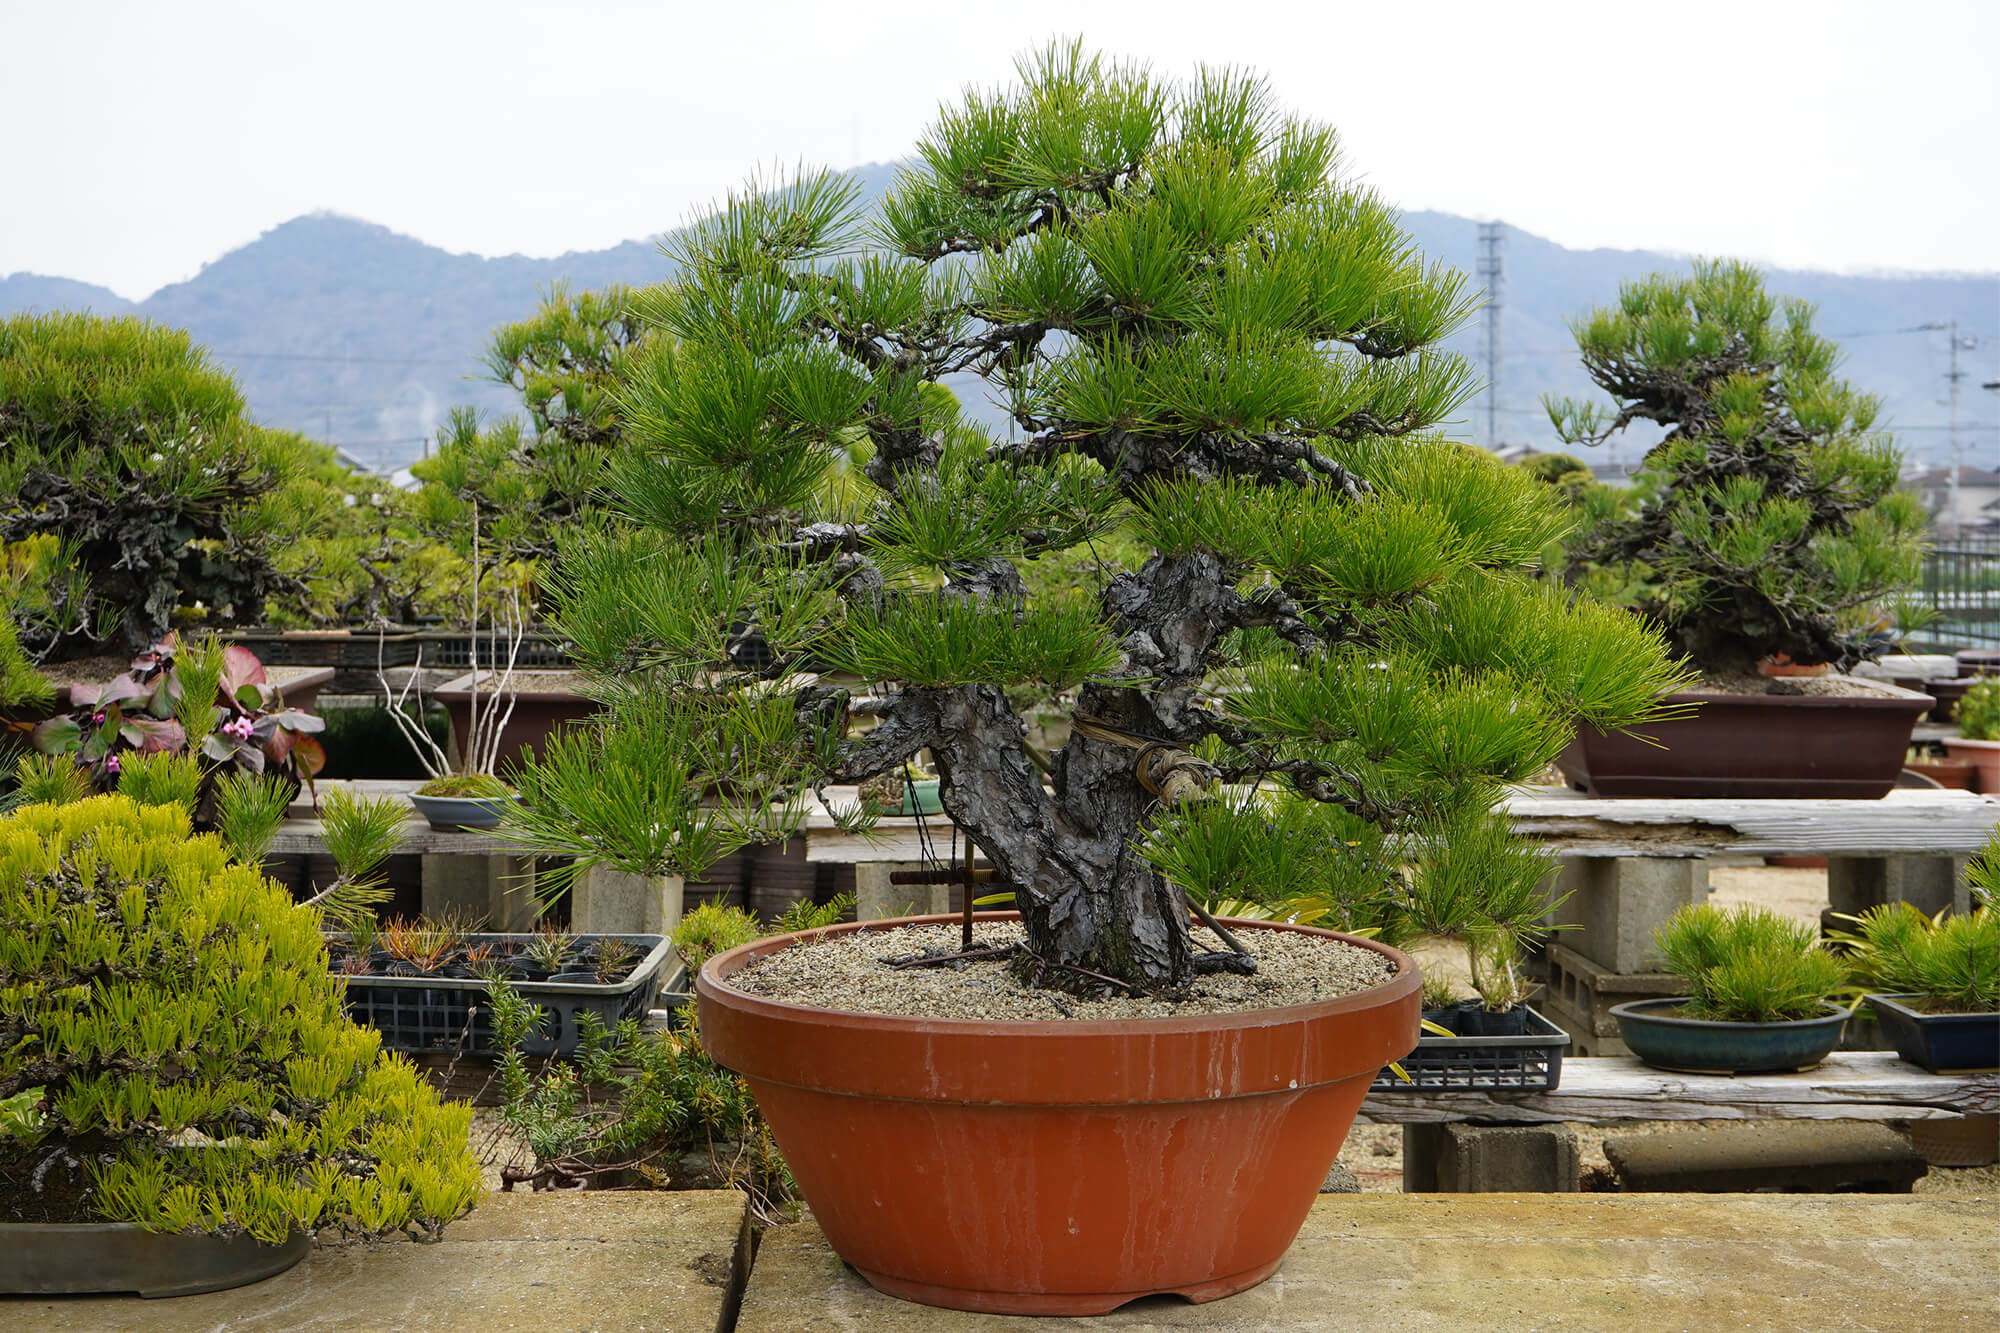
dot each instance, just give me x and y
(159, 995)
(121, 441)
(1748, 964)
(1772, 524)
(1951, 963)
(1221, 362)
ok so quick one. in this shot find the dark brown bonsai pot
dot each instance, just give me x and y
(543, 701)
(1779, 746)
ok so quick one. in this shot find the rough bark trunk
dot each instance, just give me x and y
(1089, 903)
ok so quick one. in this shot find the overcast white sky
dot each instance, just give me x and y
(145, 139)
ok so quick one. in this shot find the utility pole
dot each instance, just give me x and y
(1957, 454)
(1493, 269)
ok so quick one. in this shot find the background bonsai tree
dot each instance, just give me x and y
(1201, 339)
(1772, 525)
(119, 440)
(176, 1051)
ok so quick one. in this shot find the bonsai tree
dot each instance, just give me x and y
(1749, 965)
(1204, 341)
(122, 442)
(176, 1051)
(1771, 524)
(512, 484)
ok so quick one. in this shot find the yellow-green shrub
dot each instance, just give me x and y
(177, 1013)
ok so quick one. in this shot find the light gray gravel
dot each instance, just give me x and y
(847, 972)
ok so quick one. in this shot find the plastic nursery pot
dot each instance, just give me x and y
(1663, 1039)
(1756, 745)
(1941, 1043)
(1047, 1168)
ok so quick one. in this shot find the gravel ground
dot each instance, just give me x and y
(848, 972)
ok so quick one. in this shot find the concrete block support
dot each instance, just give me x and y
(1615, 902)
(1788, 1156)
(605, 901)
(875, 898)
(1490, 1159)
(499, 890)
(1929, 883)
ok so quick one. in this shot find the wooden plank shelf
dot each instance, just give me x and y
(1850, 1085)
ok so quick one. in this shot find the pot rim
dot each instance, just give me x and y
(1883, 694)
(1638, 1010)
(710, 985)
(1895, 1001)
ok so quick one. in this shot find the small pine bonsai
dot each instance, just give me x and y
(1748, 965)
(1950, 963)
(1772, 526)
(177, 1052)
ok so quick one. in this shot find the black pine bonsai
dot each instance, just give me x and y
(1770, 524)
(1209, 347)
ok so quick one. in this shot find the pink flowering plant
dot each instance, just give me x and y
(157, 707)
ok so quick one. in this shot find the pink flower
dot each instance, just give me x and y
(111, 763)
(98, 719)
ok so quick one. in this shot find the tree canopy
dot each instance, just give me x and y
(1212, 348)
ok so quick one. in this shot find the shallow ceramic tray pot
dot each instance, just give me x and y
(1663, 1039)
(70, 1258)
(1941, 1043)
(1051, 1167)
(445, 813)
(1780, 746)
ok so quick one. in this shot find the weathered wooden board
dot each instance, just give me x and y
(1933, 823)
(1920, 823)
(1851, 1085)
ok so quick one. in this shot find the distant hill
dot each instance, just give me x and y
(357, 335)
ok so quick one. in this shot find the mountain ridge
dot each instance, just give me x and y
(366, 337)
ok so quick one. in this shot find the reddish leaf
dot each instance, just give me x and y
(308, 757)
(83, 696)
(240, 667)
(155, 735)
(278, 744)
(122, 688)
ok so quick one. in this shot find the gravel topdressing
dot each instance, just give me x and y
(847, 972)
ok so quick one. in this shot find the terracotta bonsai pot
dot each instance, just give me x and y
(1984, 756)
(1054, 1168)
(1783, 746)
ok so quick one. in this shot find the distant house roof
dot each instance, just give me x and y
(1939, 477)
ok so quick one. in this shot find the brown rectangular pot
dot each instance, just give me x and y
(1755, 745)
(543, 701)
